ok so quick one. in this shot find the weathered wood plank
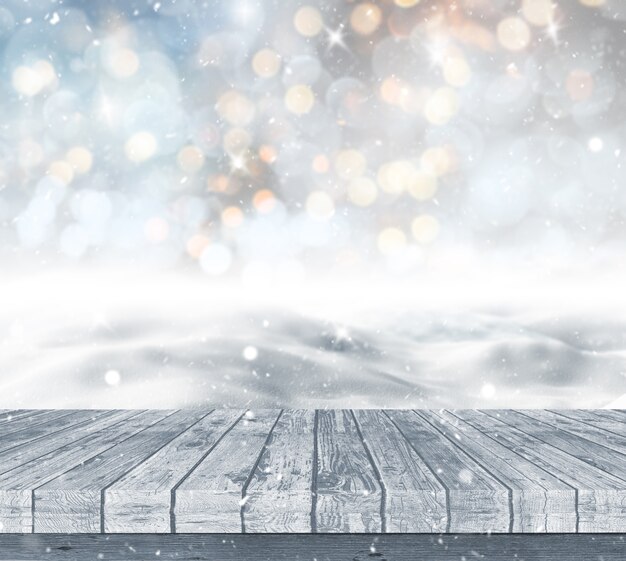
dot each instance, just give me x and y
(601, 497)
(23, 420)
(477, 501)
(349, 496)
(415, 500)
(45, 426)
(314, 547)
(584, 449)
(141, 500)
(279, 495)
(72, 502)
(31, 465)
(578, 426)
(618, 415)
(609, 432)
(11, 416)
(541, 502)
(210, 499)
(25, 453)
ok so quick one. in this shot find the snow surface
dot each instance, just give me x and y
(88, 340)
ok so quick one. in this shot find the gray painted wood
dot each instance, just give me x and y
(478, 502)
(72, 502)
(302, 471)
(211, 498)
(541, 502)
(141, 500)
(45, 426)
(618, 415)
(12, 416)
(17, 422)
(349, 496)
(26, 467)
(314, 547)
(415, 500)
(24, 454)
(602, 429)
(601, 496)
(584, 449)
(279, 495)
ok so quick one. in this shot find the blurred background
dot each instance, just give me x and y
(261, 138)
(435, 147)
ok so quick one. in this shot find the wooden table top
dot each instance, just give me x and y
(307, 471)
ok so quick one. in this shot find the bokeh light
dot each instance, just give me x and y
(234, 138)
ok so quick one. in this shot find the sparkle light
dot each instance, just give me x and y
(112, 377)
(456, 71)
(350, 164)
(122, 62)
(232, 217)
(362, 191)
(308, 21)
(422, 185)
(595, 144)
(236, 108)
(441, 106)
(190, 159)
(320, 205)
(196, 244)
(425, 228)
(266, 63)
(140, 147)
(365, 18)
(299, 99)
(513, 33)
(395, 177)
(264, 201)
(301, 132)
(538, 12)
(80, 158)
(61, 170)
(391, 240)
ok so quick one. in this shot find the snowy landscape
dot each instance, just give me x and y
(312, 204)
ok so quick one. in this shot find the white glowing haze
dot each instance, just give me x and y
(98, 339)
(312, 203)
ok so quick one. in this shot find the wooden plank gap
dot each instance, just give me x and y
(204, 456)
(244, 489)
(432, 470)
(383, 489)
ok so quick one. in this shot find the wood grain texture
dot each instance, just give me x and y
(44, 426)
(601, 496)
(211, 498)
(29, 466)
(349, 496)
(314, 547)
(72, 502)
(601, 429)
(541, 502)
(12, 416)
(142, 499)
(330, 471)
(279, 495)
(415, 500)
(478, 502)
(583, 448)
(618, 415)
(17, 421)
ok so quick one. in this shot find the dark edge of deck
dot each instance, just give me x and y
(311, 547)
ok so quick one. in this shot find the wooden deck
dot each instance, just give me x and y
(327, 471)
